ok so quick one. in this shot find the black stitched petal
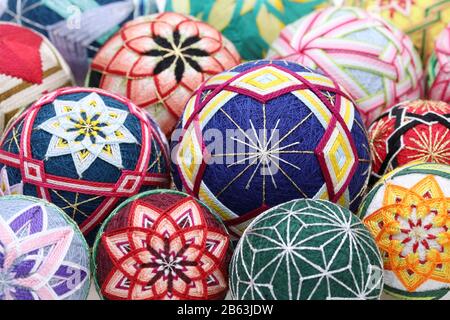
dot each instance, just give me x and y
(190, 41)
(194, 64)
(176, 38)
(196, 52)
(162, 42)
(156, 53)
(179, 69)
(163, 65)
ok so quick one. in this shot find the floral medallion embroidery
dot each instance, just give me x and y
(412, 231)
(32, 258)
(408, 132)
(158, 61)
(178, 52)
(165, 255)
(87, 129)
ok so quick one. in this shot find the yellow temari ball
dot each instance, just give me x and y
(422, 20)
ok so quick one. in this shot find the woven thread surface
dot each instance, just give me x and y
(61, 148)
(268, 132)
(374, 61)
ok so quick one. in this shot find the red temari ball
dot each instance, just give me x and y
(158, 61)
(410, 132)
(162, 245)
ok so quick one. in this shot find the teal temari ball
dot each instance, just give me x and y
(43, 255)
(306, 250)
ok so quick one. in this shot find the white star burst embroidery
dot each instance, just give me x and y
(87, 129)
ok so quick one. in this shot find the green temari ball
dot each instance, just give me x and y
(306, 250)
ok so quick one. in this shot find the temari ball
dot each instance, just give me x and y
(410, 132)
(408, 214)
(85, 150)
(374, 61)
(43, 255)
(251, 25)
(267, 132)
(162, 245)
(306, 250)
(158, 61)
(422, 20)
(29, 67)
(439, 68)
(77, 28)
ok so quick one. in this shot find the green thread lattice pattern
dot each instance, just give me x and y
(306, 250)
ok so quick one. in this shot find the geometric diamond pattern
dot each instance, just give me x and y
(337, 154)
(265, 83)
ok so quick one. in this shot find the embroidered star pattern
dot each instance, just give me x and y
(88, 130)
(176, 52)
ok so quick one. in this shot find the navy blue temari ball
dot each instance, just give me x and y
(268, 132)
(85, 150)
(76, 28)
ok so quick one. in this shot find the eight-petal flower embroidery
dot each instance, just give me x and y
(412, 231)
(178, 52)
(32, 258)
(166, 255)
(158, 61)
(87, 129)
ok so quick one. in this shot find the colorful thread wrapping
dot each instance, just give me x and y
(410, 132)
(30, 66)
(85, 150)
(43, 255)
(306, 250)
(422, 20)
(407, 213)
(439, 69)
(76, 28)
(375, 62)
(251, 25)
(162, 245)
(158, 61)
(295, 134)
